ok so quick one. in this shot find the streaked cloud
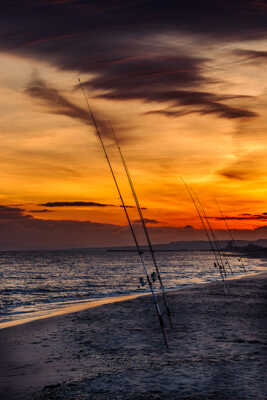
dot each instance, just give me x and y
(147, 221)
(13, 213)
(76, 204)
(129, 61)
(251, 56)
(202, 103)
(243, 217)
(44, 210)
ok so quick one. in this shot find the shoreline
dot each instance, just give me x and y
(70, 309)
(87, 304)
(218, 349)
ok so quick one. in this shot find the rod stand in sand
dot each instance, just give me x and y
(225, 288)
(139, 251)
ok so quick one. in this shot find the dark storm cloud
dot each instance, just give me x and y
(151, 71)
(153, 81)
(115, 42)
(76, 204)
(223, 19)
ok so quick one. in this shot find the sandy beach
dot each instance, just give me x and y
(218, 349)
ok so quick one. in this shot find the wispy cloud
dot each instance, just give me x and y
(58, 104)
(235, 173)
(248, 166)
(251, 56)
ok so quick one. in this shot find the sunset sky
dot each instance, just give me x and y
(184, 85)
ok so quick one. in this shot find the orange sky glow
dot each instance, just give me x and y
(50, 156)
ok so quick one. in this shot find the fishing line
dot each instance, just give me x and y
(230, 232)
(144, 226)
(206, 230)
(155, 301)
(214, 239)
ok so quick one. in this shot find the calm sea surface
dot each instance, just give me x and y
(37, 282)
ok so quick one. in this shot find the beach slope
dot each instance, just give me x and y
(218, 349)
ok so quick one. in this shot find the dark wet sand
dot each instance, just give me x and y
(218, 349)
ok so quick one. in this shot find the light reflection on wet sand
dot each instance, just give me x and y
(72, 309)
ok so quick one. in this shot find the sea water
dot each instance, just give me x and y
(41, 281)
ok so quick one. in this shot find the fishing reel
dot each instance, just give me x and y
(142, 282)
(153, 277)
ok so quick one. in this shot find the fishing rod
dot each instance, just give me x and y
(144, 226)
(230, 232)
(201, 219)
(227, 262)
(215, 241)
(207, 233)
(140, 253)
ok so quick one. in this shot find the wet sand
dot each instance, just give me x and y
(218, 349)
(71, 309)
